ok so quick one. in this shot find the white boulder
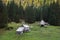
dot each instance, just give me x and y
(26, 27)
(42, 22)
(20, 30)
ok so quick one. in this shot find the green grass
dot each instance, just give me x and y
(36, 33)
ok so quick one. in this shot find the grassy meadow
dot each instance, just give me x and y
(36, 33)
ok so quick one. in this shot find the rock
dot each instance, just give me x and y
(20, 30)
(26, 28)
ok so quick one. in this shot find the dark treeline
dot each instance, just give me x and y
(3, 15)
(53, 14)
(14, 13)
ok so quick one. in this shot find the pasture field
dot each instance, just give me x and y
(36, 33)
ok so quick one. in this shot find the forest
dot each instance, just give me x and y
(29, 11)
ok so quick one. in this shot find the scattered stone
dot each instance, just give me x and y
(23, 28)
